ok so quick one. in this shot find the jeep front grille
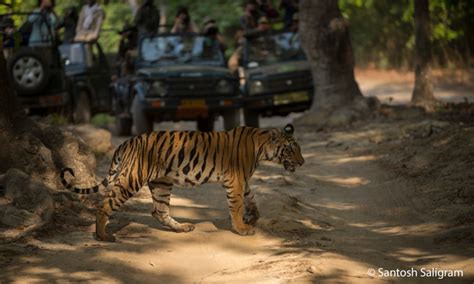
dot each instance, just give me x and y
(288, 82)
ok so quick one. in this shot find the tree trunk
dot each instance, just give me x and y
(9, 106)
(325, 38)
(423, 91)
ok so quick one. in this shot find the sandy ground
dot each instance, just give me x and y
(396, 87)
(333, 220)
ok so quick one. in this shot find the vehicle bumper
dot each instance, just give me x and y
(44, 101)
(189, 108)
(279, 104)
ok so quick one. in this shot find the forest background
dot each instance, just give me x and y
(382, 31)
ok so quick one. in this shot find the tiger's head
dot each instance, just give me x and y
(285, 148)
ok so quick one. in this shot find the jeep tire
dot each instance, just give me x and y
(82, 109)
(251, 118)
(29, 71)
(123, 125)
(205, 124)
(231, 119)
(141, 122)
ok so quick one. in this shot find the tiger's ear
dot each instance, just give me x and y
(275, 135)
(289, 129)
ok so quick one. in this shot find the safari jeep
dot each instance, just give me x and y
(47, 77)
(35, 69)
(276, 77)
(178, 77)
(88, 71)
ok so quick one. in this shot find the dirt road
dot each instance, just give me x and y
(332, 220)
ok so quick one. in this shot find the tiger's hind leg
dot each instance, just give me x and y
(161, 192)
(251, 210)
(118, 195)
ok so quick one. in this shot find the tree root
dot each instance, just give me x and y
(360, 108)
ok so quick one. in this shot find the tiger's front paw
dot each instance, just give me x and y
(244, 230)
(183, 228)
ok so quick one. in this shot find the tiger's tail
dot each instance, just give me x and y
(89, 190)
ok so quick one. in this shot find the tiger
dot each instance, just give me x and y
(163, 159)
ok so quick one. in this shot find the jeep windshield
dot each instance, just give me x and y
(271, 48)
(180, 48)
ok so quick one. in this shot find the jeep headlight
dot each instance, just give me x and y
(224, 87)
(256, 87)
(157, 87)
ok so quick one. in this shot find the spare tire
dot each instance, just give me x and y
(29, 71)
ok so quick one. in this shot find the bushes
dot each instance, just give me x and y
(382, 31)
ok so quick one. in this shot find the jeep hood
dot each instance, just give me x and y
(189, 71)
(278, 68)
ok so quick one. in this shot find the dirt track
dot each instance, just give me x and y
(335, 218)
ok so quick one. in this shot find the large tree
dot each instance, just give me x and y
(9, 107)
(423, 91)
(325, 38)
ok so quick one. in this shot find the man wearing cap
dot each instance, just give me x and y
(262, 27)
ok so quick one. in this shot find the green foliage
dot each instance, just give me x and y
(55, 119)
(225, 12)
(102, 119)
(379, 30)
(116, 16)
(382, 31)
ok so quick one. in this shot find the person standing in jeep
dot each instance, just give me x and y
(44, 21)
(147, 19)
(69, 23)
(183, 22)
(90, 22)
(211, 31)
(249, 20)
(11, 39)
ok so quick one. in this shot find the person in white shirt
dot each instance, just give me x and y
(90, 22)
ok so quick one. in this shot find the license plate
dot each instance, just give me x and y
(295, 97)
(193, 103)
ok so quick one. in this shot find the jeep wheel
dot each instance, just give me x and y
(29, 72)
(142, 123)
(82, 110)
(205, 124)
(231, 119)
(123, 126)
(251, 118)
